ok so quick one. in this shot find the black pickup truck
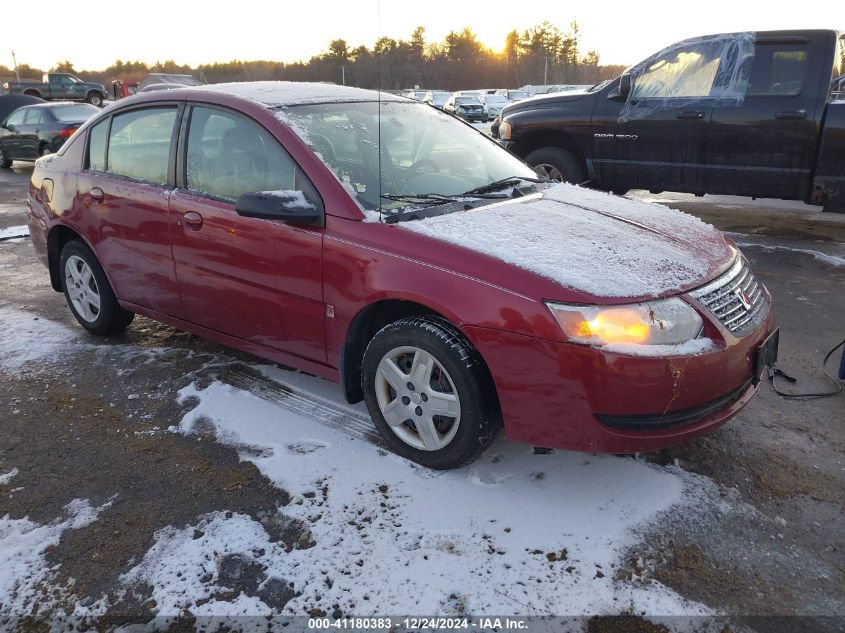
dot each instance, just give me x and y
(59, 87)
(758, 114)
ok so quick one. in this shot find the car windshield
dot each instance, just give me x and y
(495, 99)
(467, 100)
(74, 113)
(424, 151)
(518, 94)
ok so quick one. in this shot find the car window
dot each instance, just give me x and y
(97, 137)
(778, 71)
(16, 118)
(74, 113)
(229, 155)
(34, 116)
(680, 72)
(139, 144)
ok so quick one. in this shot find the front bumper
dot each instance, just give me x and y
(561, 395)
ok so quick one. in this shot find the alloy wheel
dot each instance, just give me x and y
(549, 171)
(417, 398)
(82, 288)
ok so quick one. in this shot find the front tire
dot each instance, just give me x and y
(94, 98)
(429, 393)
(5, 163)
(45, 150)
(557, 164)
(89, 293)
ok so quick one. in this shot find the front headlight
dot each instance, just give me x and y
(662, 322)
(504, 131)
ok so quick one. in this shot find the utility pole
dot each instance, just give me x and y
(546, 71)
(14, 59)
(343, 74)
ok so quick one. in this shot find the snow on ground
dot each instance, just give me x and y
(515, 532)
(24, 567)
(26, 338)
(589, 240)
(14, 231)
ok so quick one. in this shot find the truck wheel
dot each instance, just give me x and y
(557, 164)
(89, 293)
(429, 393)
(32, 93)
(94, 98)
(5, 163)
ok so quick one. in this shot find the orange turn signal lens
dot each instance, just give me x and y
(616, 326)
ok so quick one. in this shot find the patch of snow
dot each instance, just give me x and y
(590, 241)
(291, 93)
(7, 477)
(25, 338)
(14, 231)
(22, 546)
(291, 197)
(688, 348)
(818, 255)
(394, 537)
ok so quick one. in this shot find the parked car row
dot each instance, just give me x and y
(473, 105)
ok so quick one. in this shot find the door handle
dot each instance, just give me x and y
(690, 114)
(96, 194)
(192, 219)
(791, 115)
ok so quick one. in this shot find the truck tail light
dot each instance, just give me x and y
(67, 132)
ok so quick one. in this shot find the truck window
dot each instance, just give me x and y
(778, 70)
(680, 72)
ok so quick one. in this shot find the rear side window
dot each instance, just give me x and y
(139, 144)
(16, 118)
(778, 71)
(229, 155)
(97, 138)
(34, 116)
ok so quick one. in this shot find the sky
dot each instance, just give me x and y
(94, 33)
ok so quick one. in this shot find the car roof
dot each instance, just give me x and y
(274, 94)
(53, 104)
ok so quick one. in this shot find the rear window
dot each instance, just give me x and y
(139, 144)
(778, 70)
(74, 113)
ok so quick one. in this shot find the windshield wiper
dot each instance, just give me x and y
(502, 182)
(436, 198)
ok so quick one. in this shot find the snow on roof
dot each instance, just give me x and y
(289, 93)
(590, 241)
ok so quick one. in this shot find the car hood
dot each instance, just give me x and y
(544, 101)
(590, 242)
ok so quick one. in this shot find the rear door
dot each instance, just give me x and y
(765, 146)
(30, 132)
(123, 194)
(254, 279)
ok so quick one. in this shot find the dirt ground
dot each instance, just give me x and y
(76, 431)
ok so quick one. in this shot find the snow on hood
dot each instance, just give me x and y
(590, 241)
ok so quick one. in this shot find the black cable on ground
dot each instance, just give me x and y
(774, 372)
(13, 237)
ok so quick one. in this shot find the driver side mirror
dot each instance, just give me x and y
(293, 207)
(621, 92)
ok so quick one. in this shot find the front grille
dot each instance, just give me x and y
(735, 298)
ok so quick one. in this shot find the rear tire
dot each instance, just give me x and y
(557, 164)
(45, 150)
(89, 293)
(438, 370)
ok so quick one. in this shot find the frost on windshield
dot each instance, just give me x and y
(711, 71)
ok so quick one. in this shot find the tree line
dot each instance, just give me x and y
(537, 55)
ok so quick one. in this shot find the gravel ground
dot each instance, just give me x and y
(765, 537)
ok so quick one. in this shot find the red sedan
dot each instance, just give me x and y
(390, 247)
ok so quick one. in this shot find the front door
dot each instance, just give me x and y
(10, 137)
(655, 139)
(257, 280)
(123, 193)
(765, 146)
